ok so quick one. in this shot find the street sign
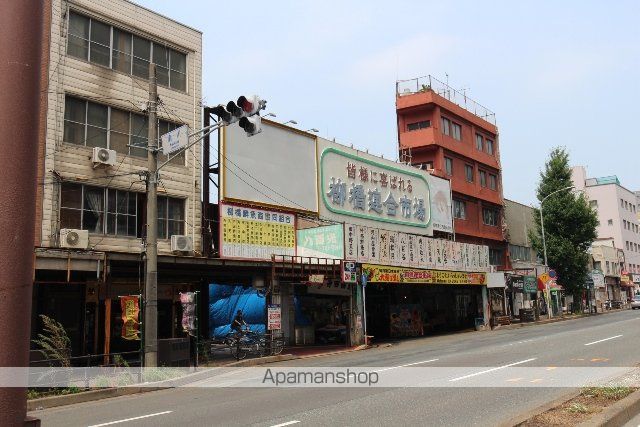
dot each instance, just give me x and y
(364, 279)
(349, 273)
(175, 140)
(274, 317)
(552, 274)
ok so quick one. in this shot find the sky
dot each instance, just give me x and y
(555, 73)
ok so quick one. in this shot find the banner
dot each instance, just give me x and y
(274, 317)
(188, 301)
(321, 242)
(130, 317)
(383, 274)
(441, 218)
(350, 242)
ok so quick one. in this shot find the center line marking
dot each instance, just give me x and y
(131, 419)
(606, 339)
(408, 364)
(492, 369)
(288, 423)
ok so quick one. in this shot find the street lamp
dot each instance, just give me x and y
(312, 130)
(269, 115)
(544, 242)
(293, 122)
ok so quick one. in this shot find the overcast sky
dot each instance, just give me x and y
(555, 73)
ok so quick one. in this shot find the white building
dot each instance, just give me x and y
(95, 84)
(618, 211)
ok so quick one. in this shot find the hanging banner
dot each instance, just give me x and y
(321, 242)
(188, 302)
(413, 250)
(350, 242)
(421, 247)
(363, 244)
(384, 274)
(384, 247)
(441, 218)
(373, 235)
(403, 246)
(130, 317)
(394, 257)
(274, 317)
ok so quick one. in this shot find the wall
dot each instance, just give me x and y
(68, 75)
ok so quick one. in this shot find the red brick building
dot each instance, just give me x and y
(441, 129)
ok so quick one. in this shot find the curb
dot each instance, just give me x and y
(520, 419)
(92, 395)
(617, 414)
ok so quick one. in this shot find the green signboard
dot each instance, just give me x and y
(321, 242)
(530, 284)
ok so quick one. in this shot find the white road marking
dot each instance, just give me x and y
(492, 369)
(288, 423)
(606, 339)
(131, 419)
(408, 364)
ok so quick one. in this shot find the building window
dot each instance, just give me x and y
(446, 126)
(495, 256)
(490, 216)
(493, 181)
(419, 125)
(627, 244)
(111, 47)
(489, 144)
(448, 165)
(483, 178)
(170, 217)
(479, 142)
(468, 172)
(115, 212)
(459, 209)
(96, 125)
(622, 203)
(610, 222)
(626, 205)
(456, 131)
(520, 253)
(624, 223)
(593, 204)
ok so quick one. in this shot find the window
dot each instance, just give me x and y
(96, 125)
(483, 178)
(456, 131)
(593, 204)
(597, 265)
(112, 47)
(622, 203)
(115, 212)
(468, 172)
(419, 125)
(610, 222)
(624, 223)
(489, 144)
(448, 165)
(493, 181)
(479, 142)
(608, 269)
(520, 253)
(626, 205)
(446, 126)
(495, 256)
(459, 209)
(490, 216)
(170, 217)
(627, 245)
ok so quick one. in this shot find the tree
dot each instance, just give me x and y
(569, 224)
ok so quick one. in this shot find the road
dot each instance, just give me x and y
(604, 340)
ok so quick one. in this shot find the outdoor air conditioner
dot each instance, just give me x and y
(181, 243)
(75, 239)
(103, 156)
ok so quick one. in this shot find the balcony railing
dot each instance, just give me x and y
(430, 83)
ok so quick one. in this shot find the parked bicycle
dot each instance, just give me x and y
(246, 341)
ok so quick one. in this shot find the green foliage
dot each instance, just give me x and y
(569, 223)
(54, 342)
(578, 408)
(614, 393)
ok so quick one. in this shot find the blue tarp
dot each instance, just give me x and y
(226, 300)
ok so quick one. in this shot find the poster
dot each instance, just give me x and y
(441, 218)
(384, 247)
(393, 248)
(274, 317)
(373, 234)
(350, 242)
(413, 252)
(130, 317)
(421, 248)
(188, 302)
(403, 249)
(362, 242)
(255, 233)
(349, 272)
(321, 242)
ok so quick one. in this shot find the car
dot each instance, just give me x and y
(635, 302)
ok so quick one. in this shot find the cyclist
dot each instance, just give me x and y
(238, 323)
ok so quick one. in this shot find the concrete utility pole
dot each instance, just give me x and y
(150, 324)
(20, 66)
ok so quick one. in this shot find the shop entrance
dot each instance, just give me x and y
(321, 317)
(411, 310)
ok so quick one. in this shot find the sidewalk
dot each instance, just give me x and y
(288, 353)
(545, 320)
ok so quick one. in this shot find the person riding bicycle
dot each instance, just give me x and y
(238, 323)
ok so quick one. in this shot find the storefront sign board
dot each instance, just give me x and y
(385, 274)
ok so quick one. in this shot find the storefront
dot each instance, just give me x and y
(403, 302)
(322, 314)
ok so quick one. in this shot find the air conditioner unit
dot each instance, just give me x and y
(75, 239)
(103, 156)
(181, 243)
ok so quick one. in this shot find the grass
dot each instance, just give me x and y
(613, 393)
(578, 408)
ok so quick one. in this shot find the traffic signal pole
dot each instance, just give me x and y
(150, 323)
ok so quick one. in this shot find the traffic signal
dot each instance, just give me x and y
(245, 110)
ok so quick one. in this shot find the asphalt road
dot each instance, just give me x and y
(606, 340)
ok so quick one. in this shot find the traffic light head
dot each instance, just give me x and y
(251, 125)
(223, 114)
(251, 104)
(235, 110)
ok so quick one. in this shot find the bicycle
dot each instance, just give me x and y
(243, 342)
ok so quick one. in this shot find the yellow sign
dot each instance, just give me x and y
(130, 322)
(384, 274)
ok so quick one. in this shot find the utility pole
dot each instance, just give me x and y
(150, 324)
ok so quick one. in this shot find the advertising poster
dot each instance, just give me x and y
(374, 244)
(393, 248)
(385, 274)
(421, 246)
(430, 247)
(274, 317)
(384, 247)
(362, 244)
(441, 218)
(130, 306)
(413, 252)
(255, 233)
(321, 242)
(350, 242)
(188, 302)
(439, 256)
(406, 320)
(403, 247)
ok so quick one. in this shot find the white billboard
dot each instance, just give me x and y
(276, 167)
(441, 218)
(362, 189)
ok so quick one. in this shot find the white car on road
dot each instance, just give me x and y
(635, 302)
